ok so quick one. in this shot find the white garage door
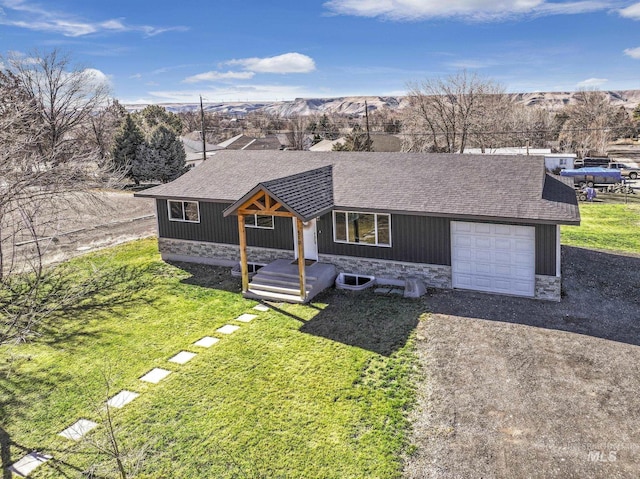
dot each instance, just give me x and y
(495, 258)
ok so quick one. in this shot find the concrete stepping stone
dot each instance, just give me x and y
(155, 375)
(227, 329)
(206, 342)
(121, 399)
(28, 463)
(261, 307)
(399, 291)
(246, 318)
(183, 357)
(76, 431)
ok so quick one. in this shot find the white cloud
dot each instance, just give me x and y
(213, 76)
(472, 10)
(32, 16)
(592, 82)
(632, 12)
(633, 52)
(244, 92)
(136, 76)
(470, 64)
(286, 63)
(97, 77)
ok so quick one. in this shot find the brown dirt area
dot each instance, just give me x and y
(87, 222)
(519, 388)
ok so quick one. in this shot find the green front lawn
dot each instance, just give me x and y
(302, 391)
(606, 227)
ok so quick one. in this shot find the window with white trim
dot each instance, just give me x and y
(185, 211)
(259, 221)
(372, 229)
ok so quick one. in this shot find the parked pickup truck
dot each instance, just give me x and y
(626, 170)
(593, 176)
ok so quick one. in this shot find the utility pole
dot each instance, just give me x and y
(366, 116)
(204, 141)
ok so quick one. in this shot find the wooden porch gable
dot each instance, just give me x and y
(303, 196)
(261, 203)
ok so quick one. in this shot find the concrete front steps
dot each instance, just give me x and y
(279, 281)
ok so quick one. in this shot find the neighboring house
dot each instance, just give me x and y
(391, 215)
(510, 150)
(552, 161)
(326, 145)
(193, 149)
(238, 142)
(269, 142)
(559, 161)
(385, 142)
(382, 142)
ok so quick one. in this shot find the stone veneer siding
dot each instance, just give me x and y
(216, 253)
(433, 275)
(548, 287)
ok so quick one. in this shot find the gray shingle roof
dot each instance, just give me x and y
(308, 194)
(469, 186)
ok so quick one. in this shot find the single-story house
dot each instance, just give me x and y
(392, 215)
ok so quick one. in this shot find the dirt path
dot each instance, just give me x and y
(517, 388)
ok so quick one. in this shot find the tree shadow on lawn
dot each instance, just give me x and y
(601, 298)
(21, 450)
(381, 324)
(209, 276)
(106, 294)
(17, 391)
(372, 322)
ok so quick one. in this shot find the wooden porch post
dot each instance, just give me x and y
(301, 269)
(244, 267)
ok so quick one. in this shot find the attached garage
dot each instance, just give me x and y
(493, 257)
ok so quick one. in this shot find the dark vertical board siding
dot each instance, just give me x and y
(215, 228)
(546, 249)
(414, 239)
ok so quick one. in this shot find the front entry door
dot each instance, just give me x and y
(310, 236)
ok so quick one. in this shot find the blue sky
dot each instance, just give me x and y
(232, 50)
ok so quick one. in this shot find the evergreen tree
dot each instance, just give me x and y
(126, 144)
(162, 158)
(154, 116)
(357, 140)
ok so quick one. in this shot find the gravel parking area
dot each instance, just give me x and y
(518, 388)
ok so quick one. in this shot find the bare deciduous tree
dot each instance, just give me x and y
(443, 113)
(298, 136)
(65, 96)
(591, 123)
(42, 175)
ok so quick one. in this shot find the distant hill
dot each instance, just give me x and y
(354, 105)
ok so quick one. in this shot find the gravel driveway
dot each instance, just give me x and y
(518, 388)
